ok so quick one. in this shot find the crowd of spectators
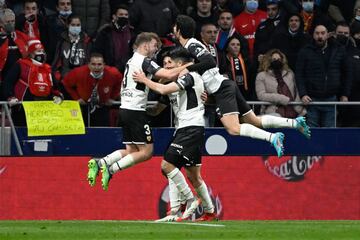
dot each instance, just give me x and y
(275, 50)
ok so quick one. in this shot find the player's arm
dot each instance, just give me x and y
(205, 60)
(155, 109)
(157, 87)
(171, 74)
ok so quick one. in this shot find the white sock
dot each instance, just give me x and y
(124, 163)
(249, 130)
(110, 159)
(174, 196)
(269, 121)
(180, 183)
(204, 195)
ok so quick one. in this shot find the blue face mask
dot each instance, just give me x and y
(308, 6)
(74, 30)
(252, 5)
(357, 18)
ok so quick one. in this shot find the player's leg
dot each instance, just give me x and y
(193, 174)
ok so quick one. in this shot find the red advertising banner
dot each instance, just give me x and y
(294, 187)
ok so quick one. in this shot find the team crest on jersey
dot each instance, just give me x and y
(148, 138)
(106, 90)
(154, 64)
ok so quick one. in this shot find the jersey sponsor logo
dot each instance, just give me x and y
(244, 25)
(154, 64)
(176, 145)
(126, 93)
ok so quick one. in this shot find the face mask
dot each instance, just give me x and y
(97, 75)
(252, 5)
(74, 30)
(121, 22)
(9, 27)
(308, 6)
(342, 39)
(65, 14)
(357, 18)
(276, 64)
(40, 57)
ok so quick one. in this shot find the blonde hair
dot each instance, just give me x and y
(146, 37)
(4, 13)
(266, 60)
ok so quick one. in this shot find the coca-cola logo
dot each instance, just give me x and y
(292, 168)
(164, 204)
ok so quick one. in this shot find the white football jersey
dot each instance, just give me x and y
(134, 95)
(212, 78)
(186, 103)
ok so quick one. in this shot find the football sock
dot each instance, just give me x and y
(269, 121)
(110, 159)
(203, 193)
(124, 163)
(180, 182)
(249, 130)
(174, 196)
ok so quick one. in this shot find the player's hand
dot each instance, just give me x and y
(306, 99)
(183, 72)
(139, 77)
(81, 101)
(13, 101)
(204, 96)
(57, 100)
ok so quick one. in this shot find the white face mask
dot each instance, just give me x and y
(65, 13)
(97, 75)
(357, 18)
(308, 6)
(74, 30)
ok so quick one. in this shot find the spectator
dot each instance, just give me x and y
(30, 79)
(156, 16)
(113, 40)
(227, 30)
(275, 83)
(97, 85)
(184, 6)
(2, 4)
(72, 50)
(291, 38)
(203, 14)
(234, 64)
(313, 16)
(234, 6)
(57, 24)
(322, 73)
(341, 11)
(31, 22)
(208, 38)
(93, 14)
(12, 44)
(247, 22)
(267, 28)
(349, 115)
(355, 33)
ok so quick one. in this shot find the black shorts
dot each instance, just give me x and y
(230, 100)
(136, 128)
(185, 148)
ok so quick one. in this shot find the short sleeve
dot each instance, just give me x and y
(185, 82)
(149, 66)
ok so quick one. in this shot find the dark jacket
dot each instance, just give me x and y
(153, 16)
(105, 45)
(56, 26)
(20, 23)
(93, 14)
(315, 78)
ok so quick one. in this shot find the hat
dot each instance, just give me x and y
(268, 2)
(34, 45)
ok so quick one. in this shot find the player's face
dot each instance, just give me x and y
(168, 63)
(152, 47)
(30, 8)
(225, 20)
(234, 47)
(294, 23)
(96, 65)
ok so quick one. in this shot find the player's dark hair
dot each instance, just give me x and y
(180, 53)
(186, 25)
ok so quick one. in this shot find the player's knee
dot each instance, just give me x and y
(233, 130)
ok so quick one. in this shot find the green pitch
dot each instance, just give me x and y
(221, 230)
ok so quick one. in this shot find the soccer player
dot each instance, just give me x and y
(185, 147)
(229, 101)
(137, 134)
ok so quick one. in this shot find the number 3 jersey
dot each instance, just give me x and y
(134, 95)
(186, 103)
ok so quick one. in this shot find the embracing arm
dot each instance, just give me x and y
(157, 87)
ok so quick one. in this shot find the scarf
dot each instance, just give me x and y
(283, 89)
(238, 69)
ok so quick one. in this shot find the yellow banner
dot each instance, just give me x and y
(45, 118)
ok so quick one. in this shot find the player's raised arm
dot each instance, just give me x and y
(160, 88)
